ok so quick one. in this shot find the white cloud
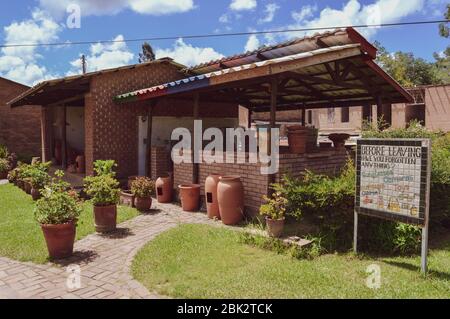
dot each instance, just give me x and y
(305, 12)
(239, 5)
(224, 18)
(21, 63)
(104, 56)
(353, 13)
(270, 10)
(252, 43)
(187, 54)
(109, 7)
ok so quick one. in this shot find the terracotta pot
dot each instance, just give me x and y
(230, 196)
(105, 218)
(275, 227)
(143, 203)
(212, 205)
(81, 164)
(190, 197)
(35, 193)
(339, 139)
(297, 138)
(163, 187)
(59, 239)
(127, 198)
(3, 175)
(27, 187)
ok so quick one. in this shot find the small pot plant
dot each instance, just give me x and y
(57, 212)
(274, 211)
(4, 168)
(142, 188)
(39, 179)
(103, 189)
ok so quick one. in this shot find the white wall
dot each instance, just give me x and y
(162, 126)
(75, 128)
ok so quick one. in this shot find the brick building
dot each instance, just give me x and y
(79, 117)
(19, 128)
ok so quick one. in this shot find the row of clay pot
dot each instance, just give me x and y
(224, 198)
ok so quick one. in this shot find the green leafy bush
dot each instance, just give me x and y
(3, 151)
(105, 167)
(102, 189)
(142, 187)
(4, 165)
(38, 177)
(58, 205)
(275, 206)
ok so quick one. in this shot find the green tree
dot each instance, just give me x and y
(444, 30)
(407, 69)
(442, 64)
(147, 53)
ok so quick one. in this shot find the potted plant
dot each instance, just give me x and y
(142, 189)
(57, 212)
(274, 211)
(38, 179)
(103, 189)
(4, 168)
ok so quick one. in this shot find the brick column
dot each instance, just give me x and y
(46, 134)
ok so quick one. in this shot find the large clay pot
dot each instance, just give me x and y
(143, 204)
(212, 205)
(297, 138)
(339, 139)
(27, 187)
(127, 198)
(59, 239)
(35, 193)
(230, 196)
(275, 227)
(105, 218)
(164, 189)
(81, 164)
(190, 197)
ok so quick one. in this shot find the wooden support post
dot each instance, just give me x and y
(196, 115)
(273, 119)
(379, 110)
(148, 144)
(64, 137)
(249, 118)
(304, 115)
(367, 113)
(386, 110)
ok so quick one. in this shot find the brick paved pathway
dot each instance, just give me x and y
(104, 261)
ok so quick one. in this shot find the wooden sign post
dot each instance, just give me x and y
(393, 182)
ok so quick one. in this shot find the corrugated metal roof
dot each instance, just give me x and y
(205, 80)
(308, 43)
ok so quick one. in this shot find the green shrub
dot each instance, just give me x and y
(105, 167)
(3, 151)
(38, 177)
(57, 205)
(142, 187)
(275, 206)
(102, 189)
(4, 165)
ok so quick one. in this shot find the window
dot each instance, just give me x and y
(330, 114)
(345, 114)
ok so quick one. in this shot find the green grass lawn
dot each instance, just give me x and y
(199, 261)
(21, 236)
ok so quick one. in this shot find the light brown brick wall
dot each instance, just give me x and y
(160, 162)
(20, 126)
(256, 185)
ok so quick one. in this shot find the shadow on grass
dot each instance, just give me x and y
(415, 268)
(79, 257)
(119, 233)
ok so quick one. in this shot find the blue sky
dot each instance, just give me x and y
(44, 21)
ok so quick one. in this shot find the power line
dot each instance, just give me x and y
(217, 35)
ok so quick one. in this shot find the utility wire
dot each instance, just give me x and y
(216, 35)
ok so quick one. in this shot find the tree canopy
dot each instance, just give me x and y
(147, 53)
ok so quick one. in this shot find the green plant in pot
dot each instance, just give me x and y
(274, 211)
(103, 189)
(39, 179)
(4, 168)
(57, 212)
(142, 188)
